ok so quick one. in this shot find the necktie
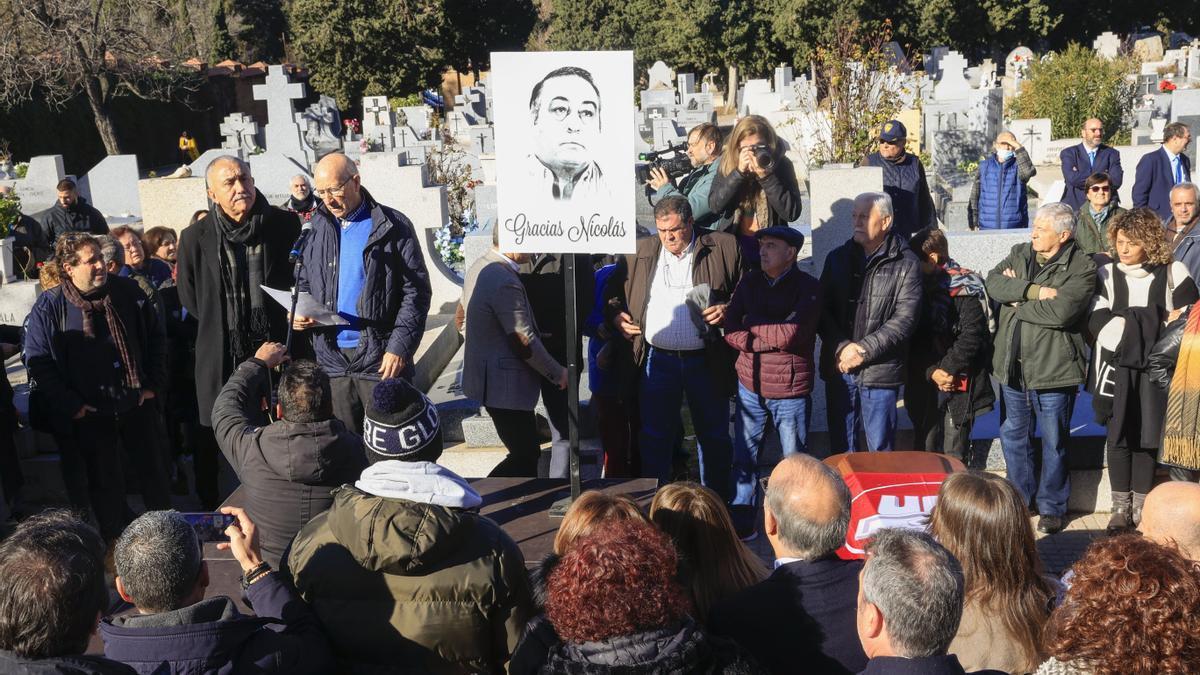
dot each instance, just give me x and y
(1178, 169)
(1091, 158)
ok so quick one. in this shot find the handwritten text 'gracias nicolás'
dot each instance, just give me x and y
(589, 227)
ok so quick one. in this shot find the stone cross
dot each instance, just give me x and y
(283, 135)
(377, 106)
(240, 132)
(1107, 45)
(1032, 135)
(953, 83)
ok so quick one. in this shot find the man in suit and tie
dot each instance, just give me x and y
(1089, 157)
(504, 358)
(1163, 169)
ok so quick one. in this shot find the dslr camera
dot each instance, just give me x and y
(673, 160)
(763, 156)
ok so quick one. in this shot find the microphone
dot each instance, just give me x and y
(294, 254)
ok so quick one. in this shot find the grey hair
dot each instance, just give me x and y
(805, 537)
(918, 586)
(880, 200)
(303, 178)
(1186, 185)
(224, 159)
(110, 249)
(158, 559)
(1061, 216)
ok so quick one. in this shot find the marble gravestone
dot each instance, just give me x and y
(686, 83)
(1185, 108)
(111, 186)
(281, 134)
(240, 133)
(1034, 135)
(38, 189)
(322, 126)
(378, 123)
(1107, 45)
(415, 116)
(1016, 64)
(660, 76)
(953, 83)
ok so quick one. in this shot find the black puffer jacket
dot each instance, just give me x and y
(678, 650)
(1161, 364)
(875, 304)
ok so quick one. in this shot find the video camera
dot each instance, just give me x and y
(678, 164)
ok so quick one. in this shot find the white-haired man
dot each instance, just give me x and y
(870, 302)
(1045, 287)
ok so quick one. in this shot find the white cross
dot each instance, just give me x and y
(278, 92)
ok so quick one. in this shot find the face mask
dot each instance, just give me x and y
(1003, 155)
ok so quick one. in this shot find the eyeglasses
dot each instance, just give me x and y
(1100, 188)
(336, 192)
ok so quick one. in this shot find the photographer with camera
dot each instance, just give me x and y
(755, 186)
(703, 145)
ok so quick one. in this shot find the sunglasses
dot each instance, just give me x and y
(1100, 188)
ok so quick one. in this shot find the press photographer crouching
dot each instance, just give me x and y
(755, 186)
(703, 151)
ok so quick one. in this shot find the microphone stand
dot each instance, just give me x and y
(297, 259)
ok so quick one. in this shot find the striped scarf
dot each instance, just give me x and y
(1181, 427)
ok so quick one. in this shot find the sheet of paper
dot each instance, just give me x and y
(306, 305)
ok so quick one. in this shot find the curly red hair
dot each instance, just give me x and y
(1133, 608)
(617, 580)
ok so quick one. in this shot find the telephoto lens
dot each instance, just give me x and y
(764, 157)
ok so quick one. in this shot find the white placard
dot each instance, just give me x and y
(564, 151)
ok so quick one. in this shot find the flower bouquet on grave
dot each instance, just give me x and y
(1166, 86)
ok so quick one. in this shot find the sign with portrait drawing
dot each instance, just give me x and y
(564, 151)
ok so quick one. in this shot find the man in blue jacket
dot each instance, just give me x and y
(161, 571)
(1163, 169)
(96, 354)
(903, 180)
(1089, 157)
(362, 260)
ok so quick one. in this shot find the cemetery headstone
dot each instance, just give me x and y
(686, 83)
(658, 98)
(239, 132)
(953, 84)
(1016, 64)
(322, 125)
(378, 122)
(660, 76)
(38, 189)
(933, 66)
(896, 57)
(282, 134)
(416, 116)
(111, 186)
(1148, 49)
(1034, 135)
(1107, 45)
(483, 141)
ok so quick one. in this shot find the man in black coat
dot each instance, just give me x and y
(870, 301)
(71, 213)
(802, 616)
(242, 243)
(97, 354)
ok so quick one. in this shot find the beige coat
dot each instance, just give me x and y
(503, 358)
(982, 643)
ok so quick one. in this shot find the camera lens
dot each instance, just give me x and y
(764, 158)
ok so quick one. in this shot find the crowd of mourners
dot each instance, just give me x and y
(359, 552)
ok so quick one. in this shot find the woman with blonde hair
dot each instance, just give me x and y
(1137, 294)
(713, 563)
(755, 186)
(592, 509)
(983, 521)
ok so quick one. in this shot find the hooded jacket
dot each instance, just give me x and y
(401, 572)
(288, 469)
(212, 638)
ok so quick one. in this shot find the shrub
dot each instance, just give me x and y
(1077, 84)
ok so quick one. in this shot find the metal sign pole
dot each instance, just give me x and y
(559, 508)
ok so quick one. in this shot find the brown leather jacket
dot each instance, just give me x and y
(716, 261)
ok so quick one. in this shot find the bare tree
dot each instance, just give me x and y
(56, 50)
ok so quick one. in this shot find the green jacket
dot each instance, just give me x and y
(427, 588)
(1091, 238)
(1053, 353)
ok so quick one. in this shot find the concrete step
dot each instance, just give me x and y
(477, 462)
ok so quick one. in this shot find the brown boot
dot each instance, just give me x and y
(1121, 519)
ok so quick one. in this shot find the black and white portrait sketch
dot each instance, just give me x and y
(564, 150)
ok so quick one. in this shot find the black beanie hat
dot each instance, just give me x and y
(401, 423)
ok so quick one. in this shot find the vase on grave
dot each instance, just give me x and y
(7, 269)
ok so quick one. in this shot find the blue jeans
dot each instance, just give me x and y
(1050, 410)
(790, 417)
(851, 408)
(665, 378)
